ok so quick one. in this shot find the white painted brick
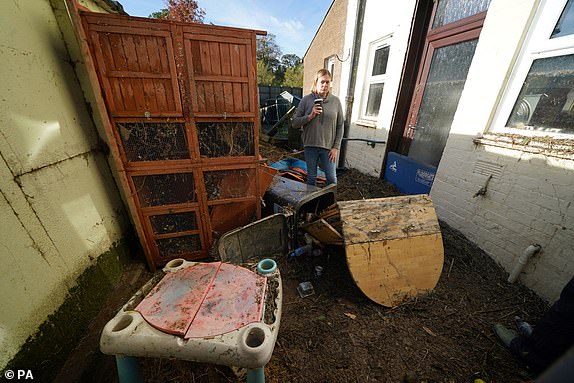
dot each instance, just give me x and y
(555, 260)
(548, 202)
(543, 227)
(565, 205)
(551, 216)
(519, 216)
(521, 204)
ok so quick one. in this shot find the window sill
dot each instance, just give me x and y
(547, 146)
(366, 123)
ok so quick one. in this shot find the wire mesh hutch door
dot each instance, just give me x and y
(182, 104)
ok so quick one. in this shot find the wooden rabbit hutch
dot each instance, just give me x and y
(180, 102)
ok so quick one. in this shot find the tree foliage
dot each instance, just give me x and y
(269, 52)
(290, 60)
(264, 74)
(180, 10)
(294, 76)
(161, 14)
(273, 66)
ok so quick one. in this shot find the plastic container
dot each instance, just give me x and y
(305, 289)
(306, 249)
(266, 266)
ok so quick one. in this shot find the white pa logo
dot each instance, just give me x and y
(393, 166)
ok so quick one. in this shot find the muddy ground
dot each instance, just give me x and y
(339, 335)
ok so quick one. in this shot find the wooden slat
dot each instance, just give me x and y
(215, 58)
(130, 74)
(225, 59)
(117, 52)
(223, 115)
(228, 97)
(235, 61)
(176, 91)
(170, 95)
(216, 30)
(137, 87)
(128, 30)
(243, 49)
(127, 93)
(177, 234)
(172, 209)
(222, 78)
(245, 97)
(142, 53)
(324, 232)
(214, 38)
(153, 53)
(130, 53)
(209, 96)
(218, 97)
(397, 217)
(205, 59)
(163, 55)
(237, 95)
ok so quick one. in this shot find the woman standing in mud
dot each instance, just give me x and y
(320, 114)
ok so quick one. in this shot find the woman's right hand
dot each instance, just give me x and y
(317, 110)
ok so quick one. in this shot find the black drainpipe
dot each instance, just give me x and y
(352, 79)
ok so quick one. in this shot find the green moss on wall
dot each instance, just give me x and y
(45, 352)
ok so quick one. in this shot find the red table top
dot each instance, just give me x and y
(205, 299)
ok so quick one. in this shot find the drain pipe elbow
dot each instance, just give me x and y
(522, 261)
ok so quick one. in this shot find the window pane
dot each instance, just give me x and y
(374, 99)
(449, 11)
(565, 24)
(380, 62)
(445, 82)
(546, 100)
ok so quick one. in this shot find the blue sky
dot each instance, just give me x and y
(293, 22)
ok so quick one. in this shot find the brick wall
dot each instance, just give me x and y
(363, 157)
(528, 201)
(329, 40)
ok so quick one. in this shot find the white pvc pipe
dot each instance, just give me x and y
(522, 261)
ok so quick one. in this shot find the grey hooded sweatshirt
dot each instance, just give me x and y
(326, 129)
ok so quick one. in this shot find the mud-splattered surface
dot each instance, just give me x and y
(339, 335)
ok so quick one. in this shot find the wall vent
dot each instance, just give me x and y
(486, 168)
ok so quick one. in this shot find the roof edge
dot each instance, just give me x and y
(319, 28)
(112, 6)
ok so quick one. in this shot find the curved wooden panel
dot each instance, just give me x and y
(393, 246)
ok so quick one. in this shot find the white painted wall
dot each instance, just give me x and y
(382, 18)
(532, 200)
(59, 206)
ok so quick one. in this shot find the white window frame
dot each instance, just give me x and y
(330, 65)
(537, 45)
(378, 79)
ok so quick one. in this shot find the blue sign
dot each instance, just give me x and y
(408, 175)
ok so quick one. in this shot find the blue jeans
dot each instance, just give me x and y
(314, 155)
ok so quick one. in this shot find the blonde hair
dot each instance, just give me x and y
(320, 73)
